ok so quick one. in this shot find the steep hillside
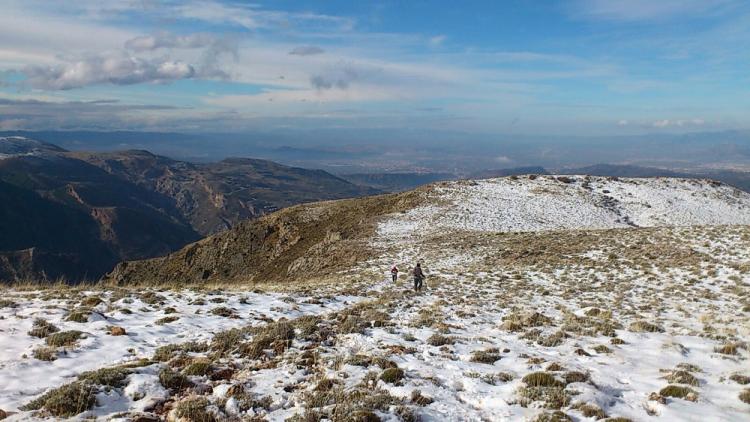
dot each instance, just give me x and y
(76, 215)
(216, 196)
(66, 208)
(301, 242)
(306, 241)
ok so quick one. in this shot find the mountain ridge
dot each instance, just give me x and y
(504, 205)
(131, 204)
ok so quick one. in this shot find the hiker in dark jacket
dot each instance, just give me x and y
(418, 277)
(394, 273)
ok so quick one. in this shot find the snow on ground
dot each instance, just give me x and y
(571, 202)
(145, 317)
(519, 320)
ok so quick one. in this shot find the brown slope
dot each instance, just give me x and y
(78, 220)
(298, 243)
(216, 196)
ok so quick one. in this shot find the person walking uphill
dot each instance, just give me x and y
(418, 277)
(394, 273)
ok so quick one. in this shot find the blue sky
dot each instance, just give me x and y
(579, 67)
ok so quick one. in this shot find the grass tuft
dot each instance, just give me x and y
(392, 375)
(42, 328)
(64, 338)
(66, 401)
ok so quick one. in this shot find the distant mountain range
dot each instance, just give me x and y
(76, 214)
(398, 182)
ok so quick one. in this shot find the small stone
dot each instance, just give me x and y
(581, 352)
(117, 331)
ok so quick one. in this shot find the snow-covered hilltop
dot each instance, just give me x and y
(536, 203)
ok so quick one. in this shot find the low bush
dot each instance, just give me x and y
(64, 338)
(66, 401)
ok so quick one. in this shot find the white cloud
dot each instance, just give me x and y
(645, 10)
(116, 68)
(167, 40)
(250, 16)
(623, 123)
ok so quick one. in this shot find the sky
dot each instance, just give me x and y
(577, 67)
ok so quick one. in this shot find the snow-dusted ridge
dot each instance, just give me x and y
(537, 203)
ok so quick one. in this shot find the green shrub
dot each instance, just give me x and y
(420, 400)
(360, 360)
(47, 354)
(228, 341)
(7, 303)
(590, 410)
(645, 327)
(112, 377)
(740, 379)
(42, 328)
(194, 410)
(677, 391)
(602, 349)
(392, 375)
(439, 340)
(729, 349)
(556, 416)
(91, 301)
(172, 380)
(682, 377)
(166, 320)
(485, 356)
(224, 312)
(64, 338)
(79, 315)
(198, 368)
(66, 401)
(541, 379)
(165, 353)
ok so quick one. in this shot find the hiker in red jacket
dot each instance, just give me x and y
(394, 273)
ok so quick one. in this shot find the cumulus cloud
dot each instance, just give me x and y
(127, 67)
(116, 68)
(306, 50)
(213, 47)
